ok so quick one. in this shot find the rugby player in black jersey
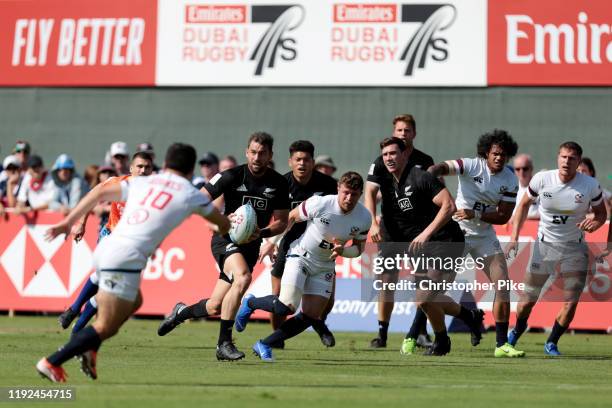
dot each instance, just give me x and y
(267, 191)
(422, 209)
(304, 182)
(379, 180)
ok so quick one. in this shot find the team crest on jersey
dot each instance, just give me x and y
(324, 220)
(269, 192)
(578, 198)
(329, 276)
(354, 231)
(547, 195)
(407, 191)
(503, 189)
(404, 204)
(478, 179)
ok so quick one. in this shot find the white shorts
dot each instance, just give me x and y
(308, 277)
(119, 266)
(568, 256)
(482, 246)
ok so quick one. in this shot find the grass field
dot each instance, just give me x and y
(139, 369)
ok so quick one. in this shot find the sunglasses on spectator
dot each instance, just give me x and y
(522, 168)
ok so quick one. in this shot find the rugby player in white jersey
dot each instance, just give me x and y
(155, 205)
(308, 277)
(486, 195)
(565, 198)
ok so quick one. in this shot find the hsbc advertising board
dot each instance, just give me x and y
(411, 43)
(547, 42)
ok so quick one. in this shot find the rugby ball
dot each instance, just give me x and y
(244, 224)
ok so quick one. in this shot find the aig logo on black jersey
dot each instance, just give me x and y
(258, 203)
(275, 42)
(404, 204)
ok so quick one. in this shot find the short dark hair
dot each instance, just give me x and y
(302, 146)
(406, 118)
(142, 155)
(181, 157)
(352, 180)
(263, 138)
(589, 163)
(497, 137)
(388, 141)
(572, 146)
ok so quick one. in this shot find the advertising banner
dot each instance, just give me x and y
(77, 43)
(545, 43)
(345, 43)
(36, 275)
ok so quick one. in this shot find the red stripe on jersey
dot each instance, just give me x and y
(303, 208)
(533, 193)
(460, 163)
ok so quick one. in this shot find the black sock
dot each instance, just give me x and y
(441, 336)
(194, 311)
(86, 339)
(419, 325)
(225, 331)
(290, 328)
(383, 328)
(556, 333)
(320, 327)
(521, 325)
(501, 333)
(263, 303)
(466, 316)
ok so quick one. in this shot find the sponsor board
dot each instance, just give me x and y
(36, 275)
(435, 43)
(539, 43)
(76, 43)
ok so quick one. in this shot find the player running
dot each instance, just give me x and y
(308, 278)
(379, 179)
(155, 205)
(267, 191)
(304, 183)
(565, 198)
(141, 165)
(486, 195)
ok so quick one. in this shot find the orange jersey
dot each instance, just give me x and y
(116, 206)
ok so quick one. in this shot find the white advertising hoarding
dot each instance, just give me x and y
(285, 43)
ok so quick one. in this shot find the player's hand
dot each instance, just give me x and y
(511, 249)
(57, 229)
(337, 250)
(78, 230)
(268, 249)
(589, 225)
(375, 232)
(253, 237)
(417, 244)
(463, 214)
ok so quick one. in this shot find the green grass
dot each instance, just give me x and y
(139, 369)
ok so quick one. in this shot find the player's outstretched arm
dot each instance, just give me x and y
(502, 214)
(522, 210)
(220, 223)
(592, 224)
(110, 192)
(371, 192)
(278, 226)
(441, 169)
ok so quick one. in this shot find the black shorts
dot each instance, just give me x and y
(222, 247)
